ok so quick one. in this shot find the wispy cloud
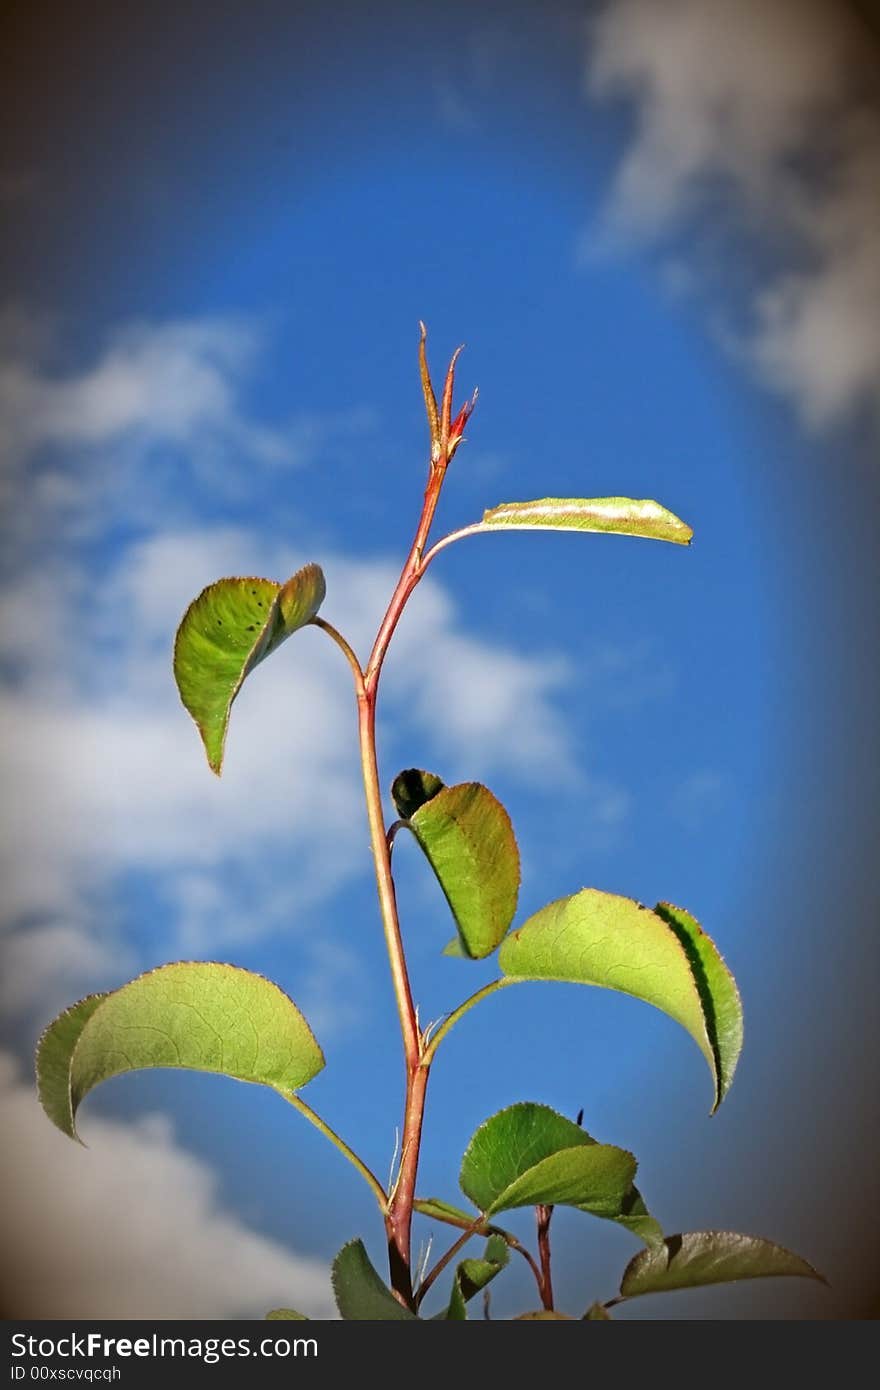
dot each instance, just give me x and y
(105, 774)
(160, 408)
(170, 381)
(756, 137)
(89, 1234)
(106, 780)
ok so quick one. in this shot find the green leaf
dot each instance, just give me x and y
(709, 1257)
(634, 1215)
(360, 1294)
(625, 516)
(443, 1211)
(473, 1275)
(229, 629)
(597, 1312)
(200, 1016)
(456, 1310)
(594, 1179)
(54, 1051)
(663, 957)
(722, 1007)
(528, 1154)
(412, 788)
(467, 838)
(285, 1315)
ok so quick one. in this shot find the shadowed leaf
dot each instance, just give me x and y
(412, 788)
(624, 516)
(228, 630)
(195, 1015)
(360, 1294)
(663, 957)
(709, 1257)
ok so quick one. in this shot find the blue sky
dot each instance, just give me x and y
(223, 244)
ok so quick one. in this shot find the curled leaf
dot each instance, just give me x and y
(662, 957)
(226, 632)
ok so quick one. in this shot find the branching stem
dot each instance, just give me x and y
(485, 1228)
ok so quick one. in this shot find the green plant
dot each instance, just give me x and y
(217, 1017)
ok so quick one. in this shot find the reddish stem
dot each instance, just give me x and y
(543, 1214)
(398, 1219)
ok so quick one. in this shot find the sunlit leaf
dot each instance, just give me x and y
(663, 957)
(709, 1257)
(624, 516)
(229, 629)
(195, 1015)
(285, 1315)
(529, 1154)
(361, 1295)
(468, 840)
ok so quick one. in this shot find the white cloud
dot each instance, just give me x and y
(46, 967)
(757, 130)
(160, 407)
(105, 773)
(132, 1228)
(172, 380)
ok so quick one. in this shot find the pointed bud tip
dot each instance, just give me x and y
(423, 332)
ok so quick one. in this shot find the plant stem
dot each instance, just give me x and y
(398, 1217)
(543, 1213)
(444, 1261)
(393, 832)
(323, 1128)
(345, 648)
(485, 1228)
(409, 577)
(450, 1021)
(387, 899)
(475, 529)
